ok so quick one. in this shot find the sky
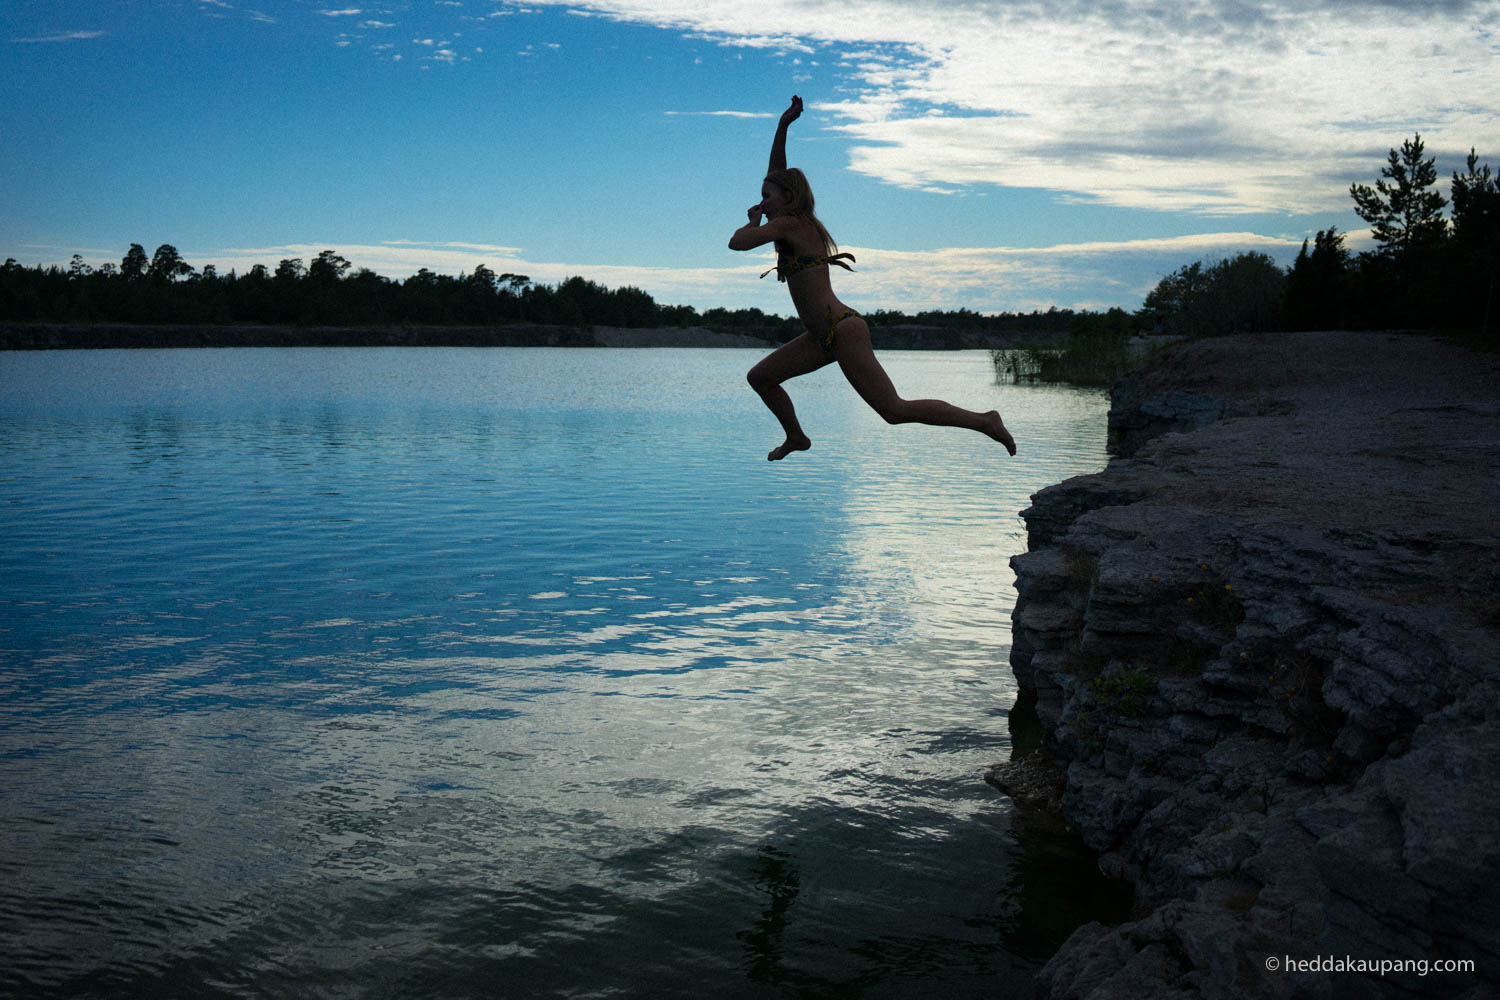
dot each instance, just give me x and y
(994, 156)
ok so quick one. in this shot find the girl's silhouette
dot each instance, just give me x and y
(834, 332)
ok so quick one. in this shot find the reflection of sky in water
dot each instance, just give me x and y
(537, 633)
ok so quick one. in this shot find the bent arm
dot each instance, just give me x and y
(752, 234)
(778, 144)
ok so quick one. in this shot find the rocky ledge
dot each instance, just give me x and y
(1263, 649)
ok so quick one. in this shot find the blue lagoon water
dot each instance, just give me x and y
(513, 673)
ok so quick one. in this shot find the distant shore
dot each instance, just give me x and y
(92, 336)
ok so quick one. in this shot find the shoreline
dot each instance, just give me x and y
(1263, 651)
(106, 336)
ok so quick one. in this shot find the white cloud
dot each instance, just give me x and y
(377, 24)
(1208, 106)
(352, 12)
(1020, 279)
(986, 279)
(66, 36)
(476, 247)
(723, 114)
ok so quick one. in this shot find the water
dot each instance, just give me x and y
(513, 673)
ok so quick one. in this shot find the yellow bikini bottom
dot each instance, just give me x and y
(832, 322)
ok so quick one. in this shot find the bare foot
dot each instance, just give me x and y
(790, 445)
(995, 428)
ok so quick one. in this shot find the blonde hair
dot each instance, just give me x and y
(799, 201)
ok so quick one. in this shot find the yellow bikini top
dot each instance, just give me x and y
(787, 265)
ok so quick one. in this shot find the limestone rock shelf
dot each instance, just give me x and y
(1264, 647)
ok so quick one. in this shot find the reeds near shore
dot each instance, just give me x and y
(1092, 360)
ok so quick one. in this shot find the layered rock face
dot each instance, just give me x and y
(1264, 646)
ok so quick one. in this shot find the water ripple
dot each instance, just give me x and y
(427, 673)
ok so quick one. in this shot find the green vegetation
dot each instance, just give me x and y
(329, 291)
(166, 289)
(1404, 214)
(1214, 603)
(1246, 293)
(1426, 272)
(1125, 692)
(1096, 352)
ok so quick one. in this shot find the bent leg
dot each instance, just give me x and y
(798, 356)
(863, 370)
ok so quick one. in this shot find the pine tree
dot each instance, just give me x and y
(1403, 211)
(1316, 283)
(167, 265)
(133, 265)
(1476, 231)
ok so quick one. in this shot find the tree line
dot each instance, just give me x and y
(1427, 270)
(328, 291)
(165, 289)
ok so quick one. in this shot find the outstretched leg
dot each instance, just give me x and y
(864, 372)
(798, 356)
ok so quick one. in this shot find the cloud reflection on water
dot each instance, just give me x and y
(403, 714)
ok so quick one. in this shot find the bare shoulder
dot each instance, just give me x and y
(800, 236)
(784, 228)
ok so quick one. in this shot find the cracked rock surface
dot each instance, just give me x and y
(1264, 648)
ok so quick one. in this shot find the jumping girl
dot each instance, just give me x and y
(834, 332)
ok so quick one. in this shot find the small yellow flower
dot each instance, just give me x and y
(1228, 587)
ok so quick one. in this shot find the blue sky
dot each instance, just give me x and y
(987, 155)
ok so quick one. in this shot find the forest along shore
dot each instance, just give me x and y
(69, 336)
(1262, 648)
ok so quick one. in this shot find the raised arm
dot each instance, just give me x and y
(778, 145)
